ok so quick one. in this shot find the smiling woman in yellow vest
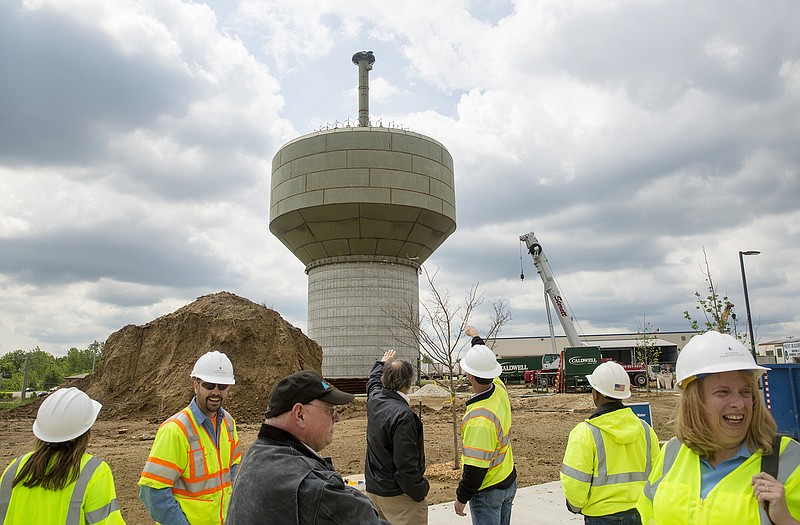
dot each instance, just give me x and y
(59, 482)
(711, 473)
(187, 477)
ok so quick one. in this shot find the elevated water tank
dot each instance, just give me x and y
(362, 208)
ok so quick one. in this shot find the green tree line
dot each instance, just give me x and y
(44, 369)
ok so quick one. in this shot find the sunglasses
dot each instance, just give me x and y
(212, 386)
(331, 411)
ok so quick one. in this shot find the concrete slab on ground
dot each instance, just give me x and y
(535, 505)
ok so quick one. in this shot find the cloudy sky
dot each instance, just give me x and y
(136, 140)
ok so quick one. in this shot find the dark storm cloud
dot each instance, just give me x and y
(65, 86)
(143, 255)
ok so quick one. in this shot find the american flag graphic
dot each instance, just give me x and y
(618, 387)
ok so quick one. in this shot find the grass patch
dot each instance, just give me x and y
(7, 404)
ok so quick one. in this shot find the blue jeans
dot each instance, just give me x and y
(630, 517)
(492, 506)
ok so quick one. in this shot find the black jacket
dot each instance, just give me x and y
(283, 482)
(395, 444)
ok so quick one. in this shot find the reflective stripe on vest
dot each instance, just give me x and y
(200, 481)
(603, 478)
(235, 449)
(789, 460)
(671, 450)
(75, 501)
(197, 463)
(6, 487)
(496, 457)
(102, 513)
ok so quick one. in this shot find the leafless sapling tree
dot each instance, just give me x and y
(646, 350)
(438, 329)
(717, 310)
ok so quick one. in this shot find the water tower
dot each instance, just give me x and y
(362, 207)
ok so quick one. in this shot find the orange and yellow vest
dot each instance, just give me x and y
(185, 459)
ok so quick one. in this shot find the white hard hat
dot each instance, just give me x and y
(64, 415)
(710, 353)
(481, 362)
(611, 380)
(214, 367)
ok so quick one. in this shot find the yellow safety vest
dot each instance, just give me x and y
(607, 461)
(672, 494)
(91, 499)
(185, 459)
(486, 435)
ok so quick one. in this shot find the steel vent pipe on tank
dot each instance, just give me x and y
(364, 61)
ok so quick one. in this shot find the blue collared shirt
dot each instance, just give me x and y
(710, 476)
(206, 422)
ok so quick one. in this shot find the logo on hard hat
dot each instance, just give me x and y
(325, 385)
(730, 353)
(618, 387)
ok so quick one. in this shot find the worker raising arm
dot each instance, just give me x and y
(489, 478)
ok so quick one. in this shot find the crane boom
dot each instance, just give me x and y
(551, 288)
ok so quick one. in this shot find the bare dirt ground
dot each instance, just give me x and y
(541, 424)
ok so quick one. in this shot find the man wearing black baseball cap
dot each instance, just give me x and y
(283, 479)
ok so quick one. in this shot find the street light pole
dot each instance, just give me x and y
(747, 301)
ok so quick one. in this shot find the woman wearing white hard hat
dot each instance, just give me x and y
(714, 470)
(58, 482)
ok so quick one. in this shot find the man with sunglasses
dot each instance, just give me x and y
(283, 479)
(188, 475)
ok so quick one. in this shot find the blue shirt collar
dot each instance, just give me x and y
(710, 476)
(742, 453)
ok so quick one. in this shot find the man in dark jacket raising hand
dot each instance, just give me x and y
(395, 465)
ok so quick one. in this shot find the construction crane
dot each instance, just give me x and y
(551, 289)
(637, 372)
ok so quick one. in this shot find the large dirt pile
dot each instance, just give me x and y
(145, 369)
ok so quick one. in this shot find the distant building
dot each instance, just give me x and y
(75, 378)
(785, 350)
(619, 347)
